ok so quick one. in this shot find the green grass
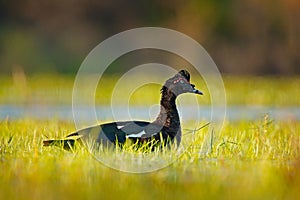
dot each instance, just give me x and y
(57, 89)
(249, 160)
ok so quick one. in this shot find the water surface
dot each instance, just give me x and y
(187, 113)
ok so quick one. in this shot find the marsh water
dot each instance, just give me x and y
(187, 113)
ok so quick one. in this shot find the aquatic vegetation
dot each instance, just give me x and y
(249, 160)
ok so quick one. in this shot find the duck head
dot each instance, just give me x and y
(180, 84)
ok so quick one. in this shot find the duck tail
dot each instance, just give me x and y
(47, 143)
(66, 144)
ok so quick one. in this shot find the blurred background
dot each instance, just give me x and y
(254, 43)
(243, 37)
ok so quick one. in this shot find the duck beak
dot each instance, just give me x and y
(195, 91)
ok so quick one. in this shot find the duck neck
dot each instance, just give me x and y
(168, 116)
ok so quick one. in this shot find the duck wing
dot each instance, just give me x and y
(143, 133)
(112, 132)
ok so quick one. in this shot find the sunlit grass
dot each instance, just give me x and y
(248, 160)
(57, 89)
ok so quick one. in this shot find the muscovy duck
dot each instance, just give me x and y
(166, 127)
